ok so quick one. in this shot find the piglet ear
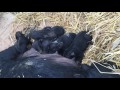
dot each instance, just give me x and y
(18, 34)
(88, 37)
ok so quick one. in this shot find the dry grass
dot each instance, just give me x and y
(105, 28)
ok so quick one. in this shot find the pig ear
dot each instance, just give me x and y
(18, 34)
(88, 37)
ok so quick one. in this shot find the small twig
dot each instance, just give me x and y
(103, 66)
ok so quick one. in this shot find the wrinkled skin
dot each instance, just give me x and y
(78, 47)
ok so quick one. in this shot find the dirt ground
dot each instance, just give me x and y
(6, 30)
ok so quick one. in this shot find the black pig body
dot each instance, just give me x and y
(35, 65)
(32, 64)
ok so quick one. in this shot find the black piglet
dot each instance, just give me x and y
(62, 43)
(50, 33)
(78, 47)
(18, 48)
